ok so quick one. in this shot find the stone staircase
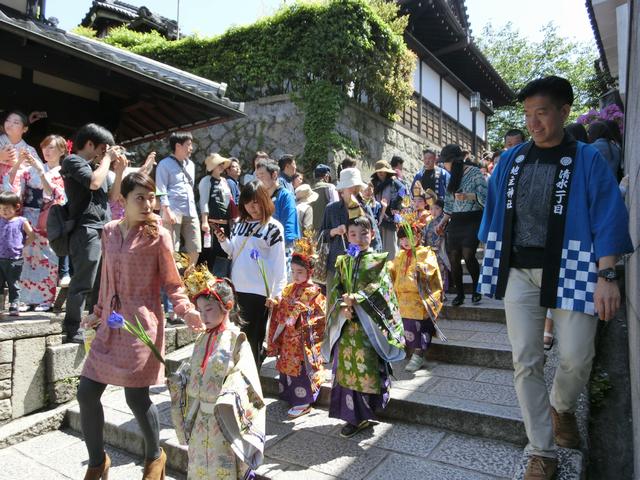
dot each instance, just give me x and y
(457, 419)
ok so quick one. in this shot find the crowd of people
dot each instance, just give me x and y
(352, 274)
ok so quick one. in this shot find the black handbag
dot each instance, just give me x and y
(222, 267)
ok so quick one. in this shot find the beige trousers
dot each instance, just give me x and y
(574, 335)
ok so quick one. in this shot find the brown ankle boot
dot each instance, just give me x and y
(101, 472)
(154, 469)
(541, 468)
(565, 429)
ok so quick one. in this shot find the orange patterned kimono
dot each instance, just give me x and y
(296, 331)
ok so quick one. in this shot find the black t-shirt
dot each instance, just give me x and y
(428, 180)
(89, 207)
(533, 202)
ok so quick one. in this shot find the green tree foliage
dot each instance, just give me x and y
(519, 60)
(325, 52)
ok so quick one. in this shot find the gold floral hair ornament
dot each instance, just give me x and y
(200, 281)
(182, 260)
(430, 196)
(305, 247)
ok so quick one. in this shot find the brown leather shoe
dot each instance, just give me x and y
(154, 469)
(101, 472)
(565, 429)
(541, 468)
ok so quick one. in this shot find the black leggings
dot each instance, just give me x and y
(92, 419)
(455, 257)
(254, 313)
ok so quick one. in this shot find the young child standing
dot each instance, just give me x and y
(431, 238)
(228, 433)
(418, 286)
(364, 331)
(296, 331)
(15, 233)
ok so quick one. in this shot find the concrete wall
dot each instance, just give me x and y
(274, 124)
(632, 161)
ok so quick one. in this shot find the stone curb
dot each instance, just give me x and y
(33, 425)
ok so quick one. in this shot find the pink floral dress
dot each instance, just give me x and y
(134, 269)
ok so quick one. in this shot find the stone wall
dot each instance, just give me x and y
(22, 365)
(274, 124)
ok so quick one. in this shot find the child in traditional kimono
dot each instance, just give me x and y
(432, 239)
(296, 331)
(228, 429)
(364, 331)
(418, 286)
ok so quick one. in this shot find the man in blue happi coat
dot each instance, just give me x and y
(554, 226)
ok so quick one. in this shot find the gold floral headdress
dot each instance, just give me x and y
(200, 281)
(305, 247)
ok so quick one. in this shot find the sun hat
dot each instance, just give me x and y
(382, 166)
(304, 193)
(350, 177)
(215, 159)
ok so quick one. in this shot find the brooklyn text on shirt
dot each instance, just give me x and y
(269, 232)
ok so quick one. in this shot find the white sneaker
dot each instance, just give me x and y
(65, 281)
(415, 363)
(43, 307)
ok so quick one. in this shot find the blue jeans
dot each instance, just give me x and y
(63, 267)
(10, 271)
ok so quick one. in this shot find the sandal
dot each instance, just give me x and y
(548, 345)
(298, 411)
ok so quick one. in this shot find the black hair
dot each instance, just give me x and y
(597, 130)
(396, 160)
(348, 162)
(577, 131)
(557, 88)
(23, 117)
(269, 165)
(178, 138)
(614, 128)
(9, 198)
(454, 154)
(227, 293)
(439, 202)
(362, 221)
(285, 160)
(308, 262)
(429, 151)
(94, 133)
(513, 133)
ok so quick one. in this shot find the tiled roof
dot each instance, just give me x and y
(150, 71)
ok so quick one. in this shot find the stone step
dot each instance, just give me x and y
(488, 310)
(308, 446)
(464, 398)
(471, 342)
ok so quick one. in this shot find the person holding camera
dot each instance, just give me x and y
(88, 190)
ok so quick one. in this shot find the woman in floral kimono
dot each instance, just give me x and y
(418, 286)
(364, 332)
(226, 440)
(295, 333)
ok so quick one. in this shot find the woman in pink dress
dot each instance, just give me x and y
(137, 260)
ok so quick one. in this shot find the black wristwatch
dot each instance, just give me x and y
(609, 274)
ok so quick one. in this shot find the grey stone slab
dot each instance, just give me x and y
(31, 426)
(317, 420)
(50, 442)
(463, 352)
(5, 409)
(30, 325)
(419, 380)
(419, 440)
(17, 466)
(5, 371)
(470, 326)
(53, 340)
(338, 457)
(462, 372)
(496, 376)
(276, 431)
(455, 334)
(488, 310)
(28, 386)
(273, 469)
(483, 455)
(6, 351)
(63, 390)
(491, 338)
(397, 466)
(5, 388)
(471, 390)
(64, 361)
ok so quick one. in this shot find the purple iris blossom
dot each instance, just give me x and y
(397, 218)
(353, 250)
(254, 254)
(115, 320)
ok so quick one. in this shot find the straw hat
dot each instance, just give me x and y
(305, 194)
(350, 177)
(213, 160)
(382, 166)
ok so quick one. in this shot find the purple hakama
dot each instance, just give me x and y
(418, 333)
